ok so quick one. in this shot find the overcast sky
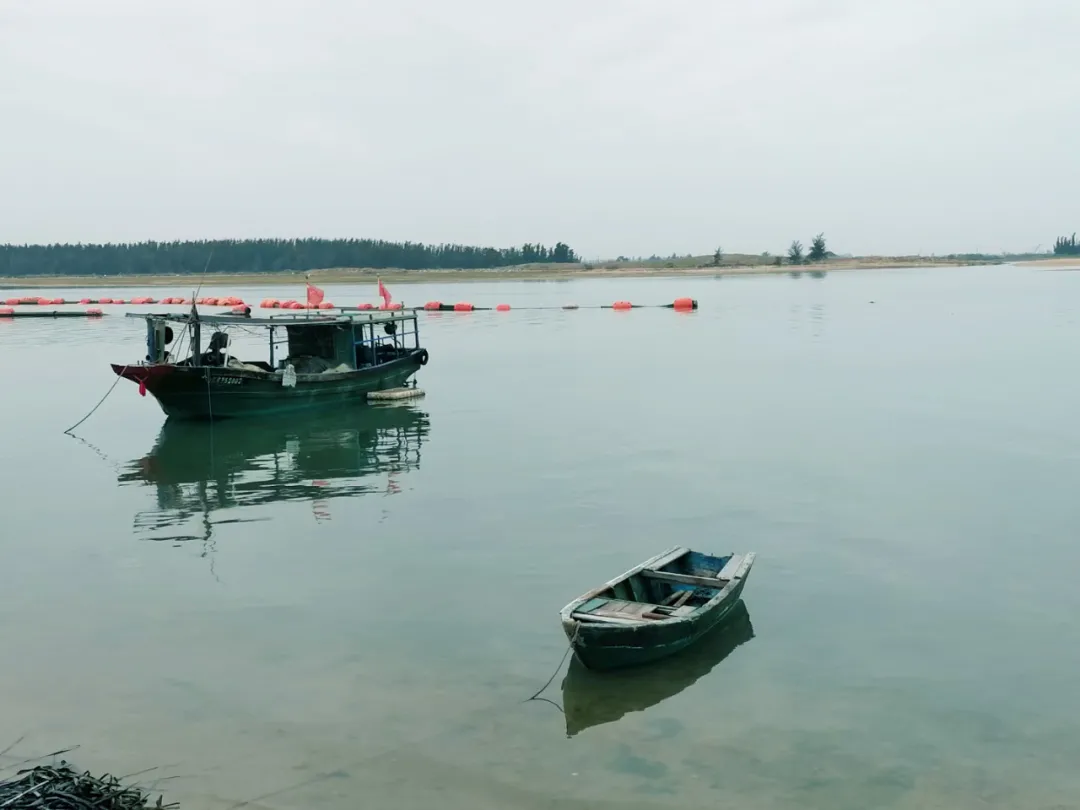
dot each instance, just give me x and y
(619, 126)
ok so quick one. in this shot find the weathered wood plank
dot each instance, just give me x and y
(620, 610)
(591, 617)
(593, 604)
(682, 597)
(685, 579)
(730, 567)
(667, 558)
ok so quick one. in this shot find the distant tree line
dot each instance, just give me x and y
(263, 256)
(1067, 247)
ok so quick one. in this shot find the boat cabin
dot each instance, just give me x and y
(314, 344)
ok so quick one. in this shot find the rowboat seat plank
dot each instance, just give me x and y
(684, 579)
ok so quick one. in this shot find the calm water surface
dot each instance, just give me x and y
(349, 610)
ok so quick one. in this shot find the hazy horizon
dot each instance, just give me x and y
(618, 127)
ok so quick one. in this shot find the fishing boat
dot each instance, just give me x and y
(594, 698)
(655, 609)
(314, 361)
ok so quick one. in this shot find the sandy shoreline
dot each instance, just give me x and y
(525, 273)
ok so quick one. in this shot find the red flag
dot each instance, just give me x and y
(314, 295)
(385, 293)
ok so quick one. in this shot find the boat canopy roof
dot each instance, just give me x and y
(279, 320)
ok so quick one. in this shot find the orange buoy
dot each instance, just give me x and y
(94, 312)
(684, 304)
(502, 308)
(84, 300)
(12, 302)
(622, 305)
(6, 312)
(104, 300)
(326, 305)
(58, 301)
(463, 307)
(433, 306)
(366, 306)
(396, 305)
(43, 301)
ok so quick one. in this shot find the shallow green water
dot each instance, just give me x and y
(349, 611)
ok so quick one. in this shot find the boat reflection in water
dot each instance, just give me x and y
(201, 468)
(593, 698)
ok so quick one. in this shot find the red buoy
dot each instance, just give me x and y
(463, 307)
(502, 308)
(396, 305)
(366, 306)
(12, 302)
(58, 301)
(104, 300)
(622, 305)
(326, 305)
(94, 312)
(28, 300)
(684, 304)
(6, 312)
(433, 306)
(84, 300)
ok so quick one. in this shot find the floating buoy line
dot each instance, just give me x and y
(34, 307)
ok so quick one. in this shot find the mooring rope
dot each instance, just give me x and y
(569, 649)
(111, 387)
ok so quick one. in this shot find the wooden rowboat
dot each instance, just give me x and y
(655, 609)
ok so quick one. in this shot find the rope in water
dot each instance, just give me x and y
(111, 387)
(569, 649)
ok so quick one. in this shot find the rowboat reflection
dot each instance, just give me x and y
(592, 698)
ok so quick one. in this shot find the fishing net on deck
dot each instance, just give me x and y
(59, 787)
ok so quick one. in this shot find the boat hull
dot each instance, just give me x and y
(607, 647)
(211, 392)
(594, 698)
